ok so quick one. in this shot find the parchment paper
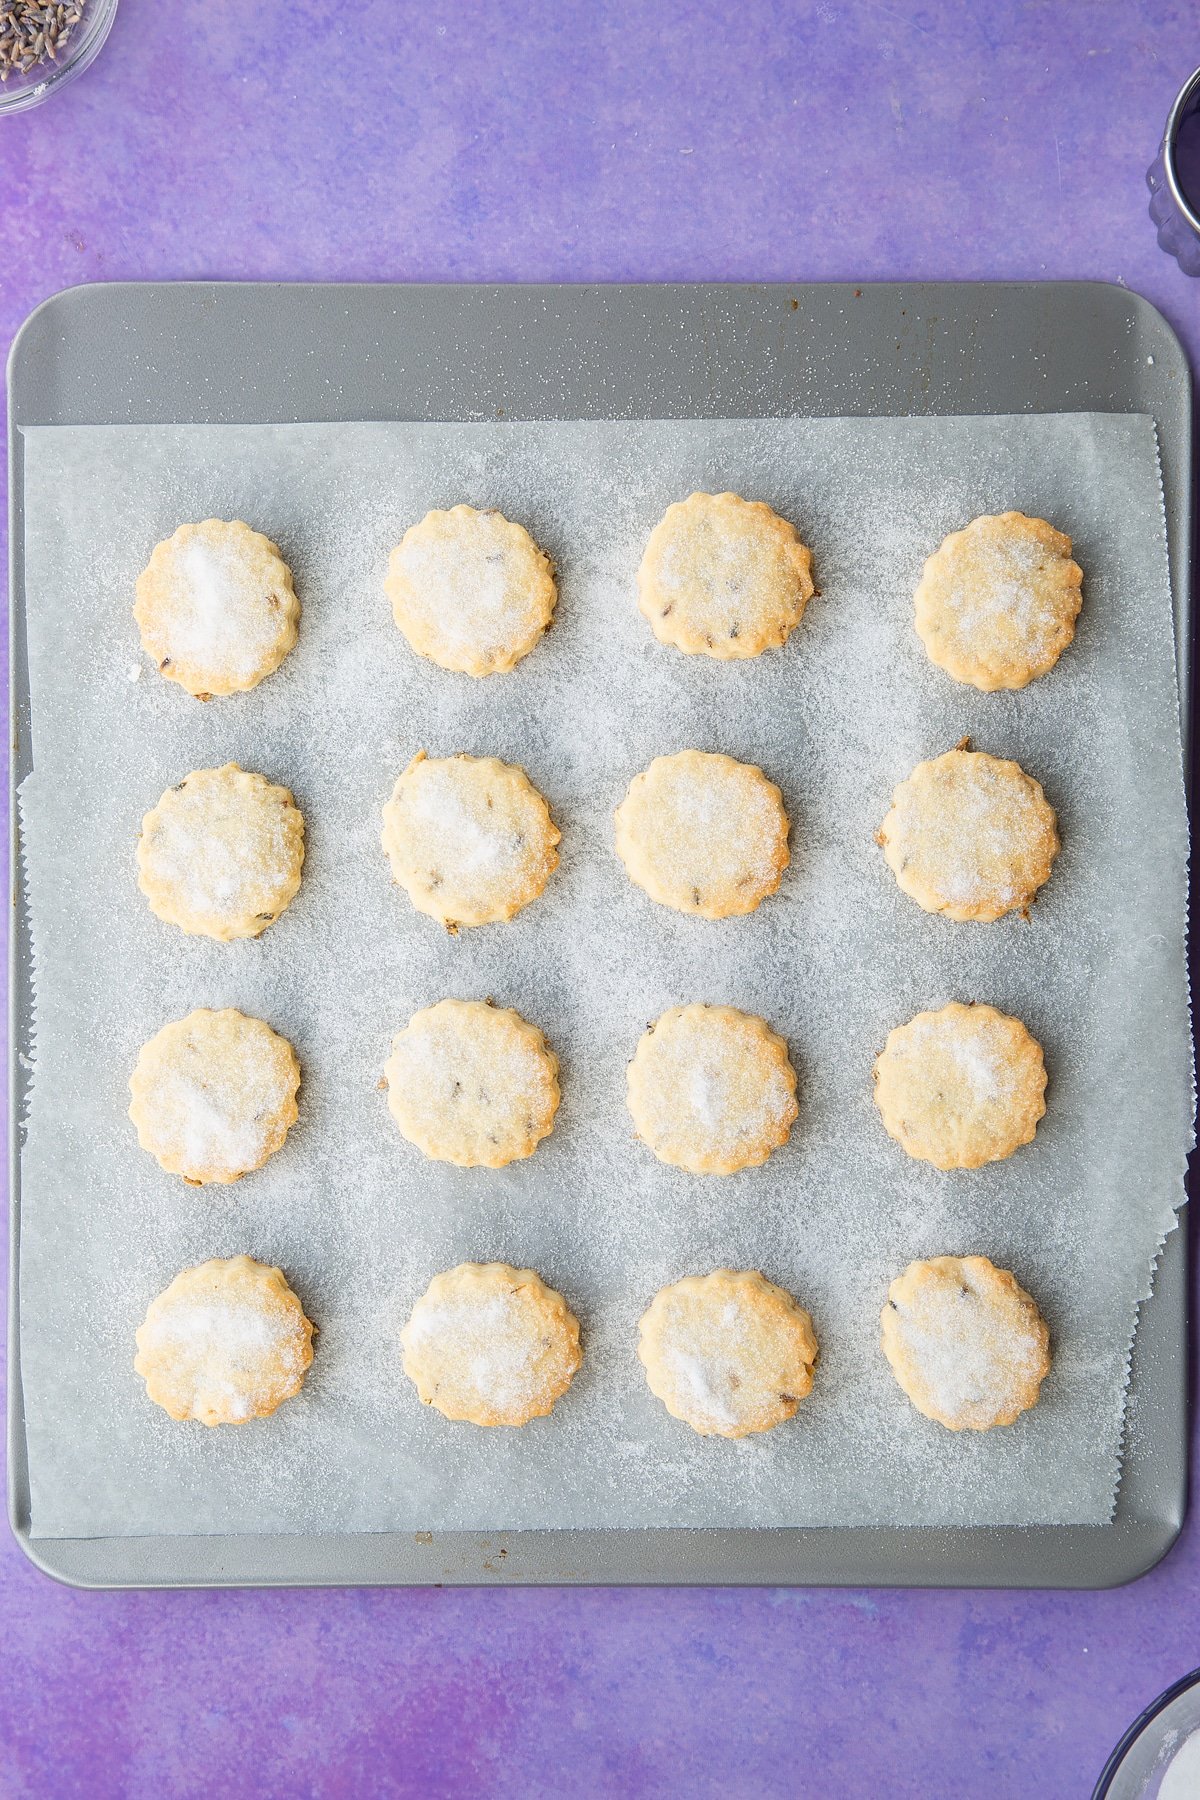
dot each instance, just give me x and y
(357, 1218)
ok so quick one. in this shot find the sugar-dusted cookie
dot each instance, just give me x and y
(712, 1090)
(966, 1343)
(703, 834)
(724, 577)
(997, 603)
(970, 835)
(216, 607)
(226, 1342)
(961, 1087)
(728, 1353)
(220, 855)
(214, 1095)
(470, 590)
(470, 838)
(491, 1344)
(472, 1083)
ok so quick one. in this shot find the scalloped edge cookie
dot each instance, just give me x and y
(724, 577)
(967, 1370)
(670, 1090)
(922, 836)
(177, 873)
(962, 1086)
(188, 624)
(469, 838)
(482, 1314)
(450, 603)
(443, 1080)
(729, 1353)
(997, 602)
(190, 1079)
(214, 1364)
(700, 865)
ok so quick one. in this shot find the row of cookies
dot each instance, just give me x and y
(721, 577)
(710, 1089)
(472, 841)
(729, 1353)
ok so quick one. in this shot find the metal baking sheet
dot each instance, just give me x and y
(212, 353)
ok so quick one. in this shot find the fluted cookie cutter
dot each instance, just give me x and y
(1174, 179)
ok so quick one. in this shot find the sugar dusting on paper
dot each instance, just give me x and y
(355, 1216)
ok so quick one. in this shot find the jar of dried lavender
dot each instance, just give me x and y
(44, 44)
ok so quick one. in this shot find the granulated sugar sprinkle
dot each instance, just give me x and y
(359, 1219)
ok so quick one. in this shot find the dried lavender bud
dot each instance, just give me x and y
(32, 34)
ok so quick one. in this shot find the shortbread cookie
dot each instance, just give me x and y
(703, 834)
(491, 1344)
(997, 603)
(216, 607)
(970, 835)
(966, 1343)
(728, 1353)
(226, 1342)
(470, 590)
(214, 1095)
(470, 838)
(712, 1090)
(724, 577)
(961, 1087)
(472, 1083)
(220, 855)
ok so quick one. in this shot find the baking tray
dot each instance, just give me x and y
(240, 353)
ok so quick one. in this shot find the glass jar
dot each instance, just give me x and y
(79, 52)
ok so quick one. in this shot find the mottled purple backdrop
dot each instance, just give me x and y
(320, 140)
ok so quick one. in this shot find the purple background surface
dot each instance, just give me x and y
(308, 139)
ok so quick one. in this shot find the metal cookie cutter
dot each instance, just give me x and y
(1174, 180)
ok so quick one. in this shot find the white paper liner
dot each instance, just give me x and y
(356, 1217)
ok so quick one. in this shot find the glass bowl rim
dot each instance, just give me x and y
(1188, 92)
(1150, 1713)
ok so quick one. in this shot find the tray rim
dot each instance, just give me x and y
(1149, 1513)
